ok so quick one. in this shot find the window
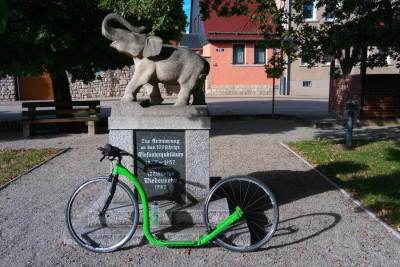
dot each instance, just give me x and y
(309, 10)
(303, 63)
(329, 14)
(238, 54)
(381, 53)
(259, 55)
(327, 60)
(358, 56)
(307, 84)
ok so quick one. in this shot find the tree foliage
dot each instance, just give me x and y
(165, 18)
(56, 36)
(60, 36)
(357, 25)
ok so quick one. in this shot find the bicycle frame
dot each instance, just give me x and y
(121, 170)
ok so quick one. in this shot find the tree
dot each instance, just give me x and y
(56, 36)
(356, 27)
(64, 36)
(164, 18)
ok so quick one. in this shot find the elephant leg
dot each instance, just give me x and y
(199, 97)
(183, 96)
(138, 80)
(131, 91)
(154, 93)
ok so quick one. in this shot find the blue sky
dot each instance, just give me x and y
(186, 8)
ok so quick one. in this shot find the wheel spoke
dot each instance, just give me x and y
(254, 232)
(227, 195)
(259, 207)
(260, 227)
(233, 193)
(245, 206)
(256, 218)
(248, 185)
(240, 192)
(252, 204)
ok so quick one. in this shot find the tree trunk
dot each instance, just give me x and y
(61, 89)
(60, 86)
(363, 73)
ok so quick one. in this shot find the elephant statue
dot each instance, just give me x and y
(156, 62)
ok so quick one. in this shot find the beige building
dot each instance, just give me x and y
(302, 80)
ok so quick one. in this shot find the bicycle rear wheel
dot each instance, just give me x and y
(102, 233)
(259, 207)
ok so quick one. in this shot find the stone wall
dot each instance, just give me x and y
(242, 90)
(8, 89)
(112, 83)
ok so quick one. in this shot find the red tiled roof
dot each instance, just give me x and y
(232, 28)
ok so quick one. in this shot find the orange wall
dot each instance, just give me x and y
(223, 72)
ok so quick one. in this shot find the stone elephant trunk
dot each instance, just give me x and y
(156, 62)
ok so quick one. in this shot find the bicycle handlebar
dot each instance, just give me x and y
(112, 152)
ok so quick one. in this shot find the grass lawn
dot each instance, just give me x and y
(370, 171)
(15, 162)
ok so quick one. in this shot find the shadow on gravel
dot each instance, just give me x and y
(334, 218)
(289, 186)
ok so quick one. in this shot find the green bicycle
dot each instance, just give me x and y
(103, 213)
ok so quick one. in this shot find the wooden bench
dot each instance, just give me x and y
(71, 111)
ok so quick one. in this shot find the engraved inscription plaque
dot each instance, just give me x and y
(163, 152)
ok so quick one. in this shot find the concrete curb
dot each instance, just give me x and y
(33, 168)
(358, 203)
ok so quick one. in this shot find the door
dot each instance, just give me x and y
(36, 88)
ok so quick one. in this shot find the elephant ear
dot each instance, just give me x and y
(152, 46)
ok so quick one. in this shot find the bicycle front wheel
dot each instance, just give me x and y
(107, 232)
(259, 207)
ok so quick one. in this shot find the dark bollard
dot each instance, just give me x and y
(349, 129)
(350, 107)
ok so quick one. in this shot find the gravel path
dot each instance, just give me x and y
(318, 226)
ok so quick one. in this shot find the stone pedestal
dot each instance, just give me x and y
(179, 136)
(173, 141)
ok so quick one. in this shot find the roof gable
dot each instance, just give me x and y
(190, 41)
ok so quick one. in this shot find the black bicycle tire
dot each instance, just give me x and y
(274, 204)
(134, 222)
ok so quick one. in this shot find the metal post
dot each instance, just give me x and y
(349, 129)
(273, 84)
(287, 81)
(273, 95)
